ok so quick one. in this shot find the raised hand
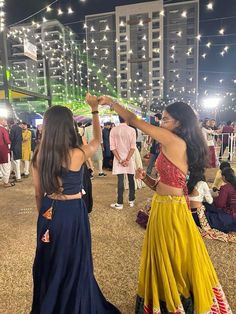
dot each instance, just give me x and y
(92, 101)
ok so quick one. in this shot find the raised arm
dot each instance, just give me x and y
(91, 148)
(163, 136)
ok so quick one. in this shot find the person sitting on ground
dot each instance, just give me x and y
(226, 200)
(218, 181)
(213, 224)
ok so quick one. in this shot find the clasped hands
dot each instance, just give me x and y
(94, 101)
(124, 163)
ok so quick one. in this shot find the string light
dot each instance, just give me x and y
(210, 6)
(48, 9)
(140, 23)
(59, 11)
(70, 11)
(199, 37)
(174, 87)
(221, 31)
(208, 44)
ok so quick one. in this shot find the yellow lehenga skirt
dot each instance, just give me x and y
(176, 271)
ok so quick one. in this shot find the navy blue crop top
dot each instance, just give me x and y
(72, 181)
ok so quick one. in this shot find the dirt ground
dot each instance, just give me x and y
(117, 242)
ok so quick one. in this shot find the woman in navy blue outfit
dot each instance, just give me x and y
(63, 269)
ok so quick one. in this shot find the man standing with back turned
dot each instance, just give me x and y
(123, 144)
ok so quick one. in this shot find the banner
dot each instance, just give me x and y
(30, 50)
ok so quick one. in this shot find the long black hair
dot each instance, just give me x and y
(229, 175)
(190, 131)
(194, 178)
(59, 136)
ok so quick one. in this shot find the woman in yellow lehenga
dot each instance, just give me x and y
(176, 273)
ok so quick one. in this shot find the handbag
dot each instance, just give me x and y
(142, 218)
(143, 214)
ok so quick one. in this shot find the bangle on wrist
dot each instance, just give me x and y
(154, 185)
(95, 112)
(151, 186)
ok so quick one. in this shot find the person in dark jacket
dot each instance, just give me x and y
(107, 154)
(16, 147)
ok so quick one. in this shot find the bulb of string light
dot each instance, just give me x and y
(210, 6)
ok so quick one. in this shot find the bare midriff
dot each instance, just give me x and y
(194, 204)
(164, 189)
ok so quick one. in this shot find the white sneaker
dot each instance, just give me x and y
(131, 203)
(117, 206)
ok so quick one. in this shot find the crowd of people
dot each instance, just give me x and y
(223, 134)
(17, 144)
(176, 274)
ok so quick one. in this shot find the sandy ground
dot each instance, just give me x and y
(117, 242)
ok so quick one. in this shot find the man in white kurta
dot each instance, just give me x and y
(123, 144)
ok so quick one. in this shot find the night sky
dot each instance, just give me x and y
(214, 67)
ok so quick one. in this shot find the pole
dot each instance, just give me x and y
(5, 71)
(48, 83)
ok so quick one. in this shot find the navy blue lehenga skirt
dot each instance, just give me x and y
(63, 269)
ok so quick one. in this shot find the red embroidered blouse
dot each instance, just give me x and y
(170, 174)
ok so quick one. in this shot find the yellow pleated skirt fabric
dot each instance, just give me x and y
(175, 263)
